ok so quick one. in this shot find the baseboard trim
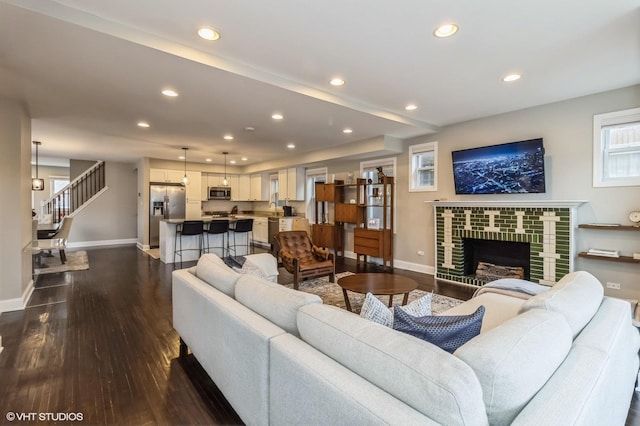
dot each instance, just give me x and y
(400, 264)
(101, 243)
(19, 303)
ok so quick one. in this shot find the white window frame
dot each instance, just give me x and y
(414, 181)
(599, 155)
(311, 175)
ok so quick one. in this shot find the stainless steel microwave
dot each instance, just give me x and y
(219, 193)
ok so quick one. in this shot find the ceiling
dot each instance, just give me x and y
(89, 70)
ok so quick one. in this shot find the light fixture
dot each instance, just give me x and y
(244, 158)
(232, 161)
(291, 146)
(347, 130)
(511, 77)
(143, 124)
(225, 182)
(445, 30)
(208, 160)
(277, 116)
(208, 33)
(228, 137)
(336, 82)
(411, 107)
(37, 184)
(170, 93)
(185, 179)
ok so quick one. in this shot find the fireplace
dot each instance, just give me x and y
(502, 253)
(541, 233)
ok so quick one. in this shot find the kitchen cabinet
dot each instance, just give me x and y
(233, 182)
(291, 184)
(204, 187)
(259, 187)
(260, 231)
(243, 193)
(165, 175)
(193, 195)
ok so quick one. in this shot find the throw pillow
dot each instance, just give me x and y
(249, 268)
(374, 310)
(446, 332)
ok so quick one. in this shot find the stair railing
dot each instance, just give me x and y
(77, 193)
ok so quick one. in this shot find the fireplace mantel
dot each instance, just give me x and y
(569, 204)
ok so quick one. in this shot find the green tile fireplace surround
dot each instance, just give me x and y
(547, 226)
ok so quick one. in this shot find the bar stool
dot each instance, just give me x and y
(242, 226)
(219, 227)
(188, 227)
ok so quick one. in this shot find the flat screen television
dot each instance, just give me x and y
(509, 168)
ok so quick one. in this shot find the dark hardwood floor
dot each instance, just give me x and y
(99, 344)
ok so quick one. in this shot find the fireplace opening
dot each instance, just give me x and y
(509, 254)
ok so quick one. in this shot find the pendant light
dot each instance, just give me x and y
(225, 182)
(185, 179)
(37, 184)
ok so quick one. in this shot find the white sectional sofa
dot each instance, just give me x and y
(568, 356)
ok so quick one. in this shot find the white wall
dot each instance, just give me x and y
(15, 214)
(567, 131)
(112, 217)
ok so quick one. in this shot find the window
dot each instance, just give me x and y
(616, 148)
(313, 176)
(423, 163)
(368, 169)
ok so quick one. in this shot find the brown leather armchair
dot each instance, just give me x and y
(301, 258)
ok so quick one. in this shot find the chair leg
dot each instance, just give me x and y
(63, 256)
(295, 279)
(332, 277)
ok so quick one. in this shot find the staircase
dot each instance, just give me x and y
(77, 194)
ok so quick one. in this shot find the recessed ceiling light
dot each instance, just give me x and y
(511, 77)
(143, 124)
(244, 158)
(228, 137)
(249, 129)
(277, 116)
(347, 130)
(208, 160)
(411, 107)
(170, 93)
(291, 146)
(445, 30)
(208, 33)
(181, 157)
(336, 82)
(232, 161)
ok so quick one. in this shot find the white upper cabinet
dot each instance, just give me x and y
(164, 175)
(259, 185)
(291, 184)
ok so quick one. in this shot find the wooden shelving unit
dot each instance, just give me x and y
(324, 233)
(620, 259)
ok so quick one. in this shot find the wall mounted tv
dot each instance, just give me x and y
(515, 167)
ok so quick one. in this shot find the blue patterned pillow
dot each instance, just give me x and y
(446, 332)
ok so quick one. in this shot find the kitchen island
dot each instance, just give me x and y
(190, 242)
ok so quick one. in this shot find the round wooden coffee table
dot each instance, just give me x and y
(378, 284)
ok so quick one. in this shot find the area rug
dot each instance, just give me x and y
(331, 294)
(76, 261)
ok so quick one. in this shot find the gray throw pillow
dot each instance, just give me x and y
(374, 310)
(446, 332)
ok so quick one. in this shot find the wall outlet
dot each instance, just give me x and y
(613, 286)
(420, 252)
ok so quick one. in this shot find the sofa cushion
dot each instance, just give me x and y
(514, 360)
(498, 309)
(422, 375)
(265, 263)
(212, 270)
(274, 302)
(577, 297)
(446, 332)
(374, 310)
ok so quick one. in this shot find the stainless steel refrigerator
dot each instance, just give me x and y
(166, 201)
